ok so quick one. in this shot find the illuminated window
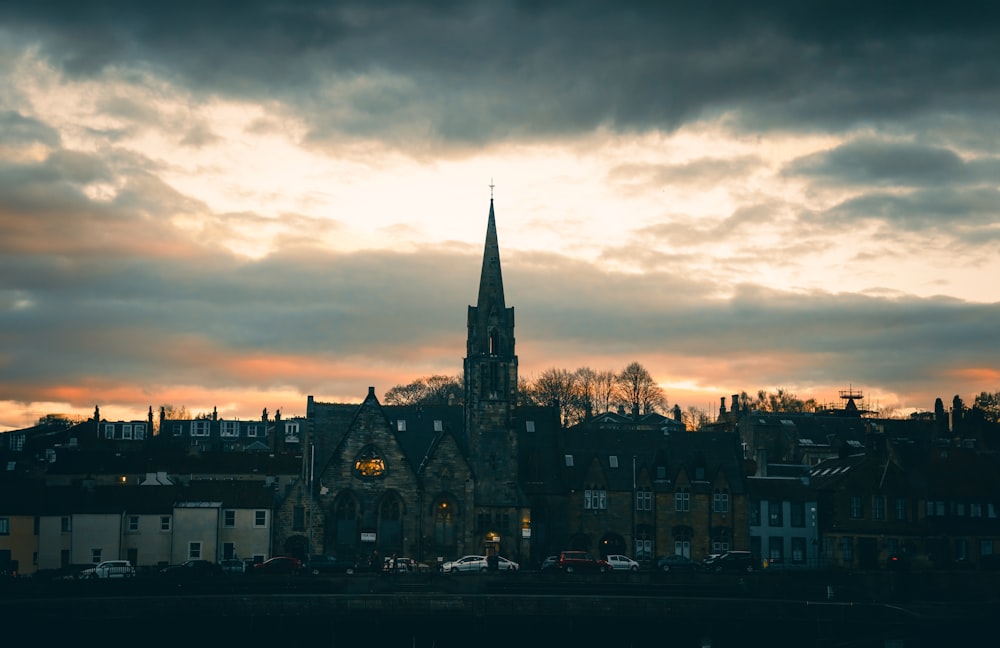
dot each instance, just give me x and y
(369, 464)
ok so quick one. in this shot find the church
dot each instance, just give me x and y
(431, 482)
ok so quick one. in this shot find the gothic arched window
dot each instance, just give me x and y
(369, 463)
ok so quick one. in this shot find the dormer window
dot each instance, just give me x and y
(401, 425)
(438, 425)
(613, 461)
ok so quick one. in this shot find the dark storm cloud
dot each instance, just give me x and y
(877, 163)
(18, 130)
(470, 71)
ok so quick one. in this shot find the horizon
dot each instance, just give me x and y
(260, 204)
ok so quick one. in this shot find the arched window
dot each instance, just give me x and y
(369, 463)
(445, 513)
(346, 513)
(390, 522)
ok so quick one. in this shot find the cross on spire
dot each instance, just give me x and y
(491, 188)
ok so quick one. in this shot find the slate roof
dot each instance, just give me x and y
(714, 452)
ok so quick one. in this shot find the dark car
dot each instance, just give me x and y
(580, 561)
(675, 563)
(730, 561)
(279, 565)
(549, 564)
(191, 569)
(318, 564)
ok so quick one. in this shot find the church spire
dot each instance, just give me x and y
(491, 279)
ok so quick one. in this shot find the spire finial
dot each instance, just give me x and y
(491, 188)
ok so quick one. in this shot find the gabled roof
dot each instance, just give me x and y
(714, 452)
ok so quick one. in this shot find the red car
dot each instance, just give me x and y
(279, 565)
(580, 561)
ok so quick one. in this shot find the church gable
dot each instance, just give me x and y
(369, 454)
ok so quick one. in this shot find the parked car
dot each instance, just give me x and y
(319, 564)
(730, 561)
(675, 563)
(405, 566)
(232, 566)
(109, 569)
(465, 563)
(549, 564)
(580, 561)
(279, 565)
(191, 569)
(622, 563)
(504, 564)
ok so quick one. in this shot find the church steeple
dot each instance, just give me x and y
(491, 278)
(491, 380)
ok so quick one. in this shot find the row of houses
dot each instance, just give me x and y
(834, 489)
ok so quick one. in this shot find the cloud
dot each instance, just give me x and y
(473, 72)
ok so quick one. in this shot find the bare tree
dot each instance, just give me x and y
(586, 391)
(605, 390)
(695, 418)
(428, 390)
(557, 387)
(781, 401)
(638, 391)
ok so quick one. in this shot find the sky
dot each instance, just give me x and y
(236, 205)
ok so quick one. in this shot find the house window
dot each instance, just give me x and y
(133, 523)
(194, 551)
(17, 442)
(682, 501)
(985, 547)
(856, 507)
(878, 507)
(754, 512)
(720, 501)
(569, 461)
(252, 430)
(298, 518)
(847, 549)
(438, 425)
(229, 429)
(228, 550)
(109, 432)
(259, 519)
(975, 509)
(644, 500)
(178, 429)
(613, 461)
(229, 518)
(798, 550)
(4, 526)
(661, 472)
(797, 514)
(127, 432)
(95, 555)
(901, 508)
(401, 425)
(720, 546)
(66, 524)
(139, 431)
(776, 549)
(199, 428)
(529, 426)
(164, 523)
(682, 548)
(774, 514)
(595, 499)
(291, 432)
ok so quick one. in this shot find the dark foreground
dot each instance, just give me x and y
(493, 610)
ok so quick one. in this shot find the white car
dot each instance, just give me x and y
(477, 564)
(620, 562)
(465, 563)
(109, 569)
